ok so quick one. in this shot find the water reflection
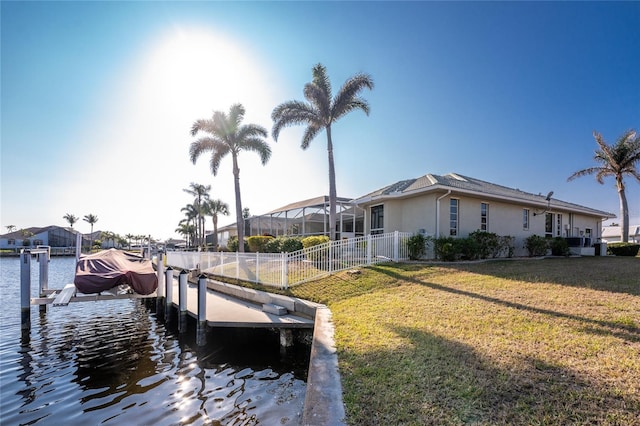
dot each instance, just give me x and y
(113, 362)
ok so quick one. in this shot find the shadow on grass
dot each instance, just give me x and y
(608, 273)
(628, 332)
(432, 380)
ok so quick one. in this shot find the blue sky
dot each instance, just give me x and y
(98, 99)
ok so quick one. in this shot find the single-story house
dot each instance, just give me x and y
(456, 205)
(53, 236)
(302, 218)
(613, 234)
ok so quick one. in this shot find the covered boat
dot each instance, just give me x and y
(110, 268)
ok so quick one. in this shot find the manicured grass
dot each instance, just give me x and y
(554, 341)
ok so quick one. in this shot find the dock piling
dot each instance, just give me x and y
(182, 301)
(168, 283)
(25, 289)
(160, 290)
(202, 310)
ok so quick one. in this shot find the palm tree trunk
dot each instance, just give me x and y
(624, 211)
(239, 218)
(332, 187)
(214, 239)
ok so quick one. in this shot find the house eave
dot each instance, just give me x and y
(438, 188)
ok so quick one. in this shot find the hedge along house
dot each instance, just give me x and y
(455, 205)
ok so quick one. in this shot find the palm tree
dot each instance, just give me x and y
(186, 229)
(229, 136)
(616, 160)
(10, 228)
(319, 112)
(129, 237)
(191, 213)
(91, 219)
(201, 192)
(213, 208)
(70, 218)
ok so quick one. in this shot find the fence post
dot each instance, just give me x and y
(257, 267)
(202, 311)
(285, 270)
(182, 301)
(330, 256)
(368, 249)
(25, 289)
(396, 245)
(238, 265)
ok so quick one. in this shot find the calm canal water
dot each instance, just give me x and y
(114, 363)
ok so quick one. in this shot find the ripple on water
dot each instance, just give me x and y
(113, 363)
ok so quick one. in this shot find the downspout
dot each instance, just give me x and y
(438, 212)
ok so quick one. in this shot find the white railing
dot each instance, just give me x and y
(287, 269)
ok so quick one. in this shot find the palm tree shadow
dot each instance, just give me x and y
(628, 332)
(461, 386)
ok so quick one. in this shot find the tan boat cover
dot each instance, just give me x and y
(110, 268)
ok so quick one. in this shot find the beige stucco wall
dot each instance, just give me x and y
(413, 214)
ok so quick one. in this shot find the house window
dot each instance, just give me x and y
(548, 225)
(11, 242)
(484, 216)
(453, 217)
(377, 220)
(525, 219)
(558, 225)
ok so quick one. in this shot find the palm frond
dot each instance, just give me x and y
(321, 79)
(259, 146)
(291, 113)
(309, 134)
(584, 172)
(203, 144)
(349, 93)
(216, 158)
(320, 100)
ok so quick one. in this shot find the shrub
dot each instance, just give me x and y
(487, 244)
(273, 246)
(559, 247)
(283, 244)
(536, 245)
(623, 249)
(232, 244)
(258, 243)
(290, 244)
(506, 246)
(417, 246)
(445, 249)
(314, 240)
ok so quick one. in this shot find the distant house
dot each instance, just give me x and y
(456, 205)
(54, 236)
(613, 234)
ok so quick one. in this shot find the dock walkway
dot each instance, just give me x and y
(226, 305)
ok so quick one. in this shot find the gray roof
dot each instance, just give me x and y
(465, 184)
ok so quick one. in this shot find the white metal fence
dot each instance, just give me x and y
(287, 269)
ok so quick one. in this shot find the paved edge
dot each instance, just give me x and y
(323, 405)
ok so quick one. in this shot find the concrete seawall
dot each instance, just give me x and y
(323, 405)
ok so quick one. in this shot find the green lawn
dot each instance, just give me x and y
(554, 341)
